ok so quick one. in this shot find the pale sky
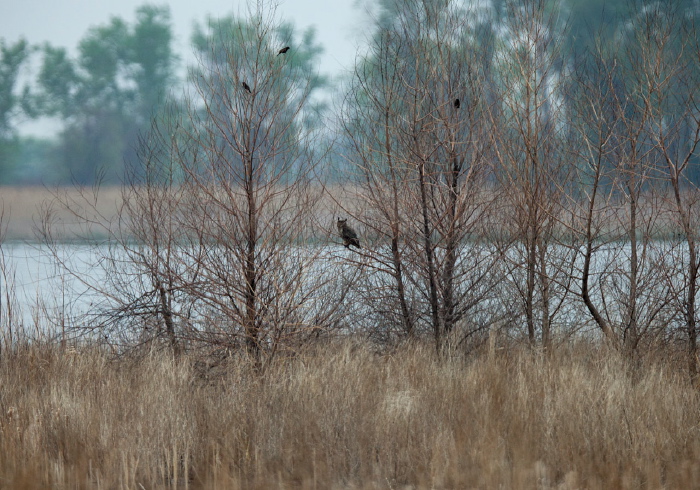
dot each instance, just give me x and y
(339, 23)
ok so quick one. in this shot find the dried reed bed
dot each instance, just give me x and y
(22, 209)
(343, 416)
(25, 207)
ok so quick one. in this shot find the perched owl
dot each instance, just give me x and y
(347, 234)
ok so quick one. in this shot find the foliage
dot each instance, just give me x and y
(108, 94)
(12, 57)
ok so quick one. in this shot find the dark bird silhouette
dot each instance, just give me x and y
(283, 50)
(245, 86)
(456, 103)
(347, 234)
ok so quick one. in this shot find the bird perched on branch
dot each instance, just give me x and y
(245, 86)
(348, 235)
(283, 50)
(456, 104)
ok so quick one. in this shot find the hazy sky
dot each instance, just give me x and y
(64, 22)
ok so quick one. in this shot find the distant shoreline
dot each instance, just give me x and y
(23, 207)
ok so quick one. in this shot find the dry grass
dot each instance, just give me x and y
(344, 417)
(23, 209)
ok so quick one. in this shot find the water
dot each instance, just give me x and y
(36, 293)
(39, 295)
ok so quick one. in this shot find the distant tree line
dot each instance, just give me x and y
(105, 97)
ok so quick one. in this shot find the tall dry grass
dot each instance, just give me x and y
(342, 416)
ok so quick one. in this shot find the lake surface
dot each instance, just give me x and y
(36, 293)
(40, 296)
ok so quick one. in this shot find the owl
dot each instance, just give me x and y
(348, 235)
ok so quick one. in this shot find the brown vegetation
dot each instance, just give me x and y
(25, 207)
(342, 416)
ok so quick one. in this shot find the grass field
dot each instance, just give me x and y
(345, 416)
(23, 208)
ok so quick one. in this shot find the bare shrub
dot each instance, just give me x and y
(9, 309)
(628, 115)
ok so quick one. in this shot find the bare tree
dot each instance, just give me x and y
(532, 155)
(671, 52)
(594, 109)
(420, 165)
(381, 173)
(621, 179)
(249, 189)
(215, 239)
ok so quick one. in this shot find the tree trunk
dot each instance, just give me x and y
(395, 234)
(451, 244)
(428, 248)
(690, 311)
(167, 313)
(545, 294)
(631, 328)
(250, 273)
(530, 284)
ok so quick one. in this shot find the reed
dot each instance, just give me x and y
(346, 416)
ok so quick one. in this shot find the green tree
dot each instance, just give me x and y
(107, 95)
(12, 58)
(58, 80)
(152, 60)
